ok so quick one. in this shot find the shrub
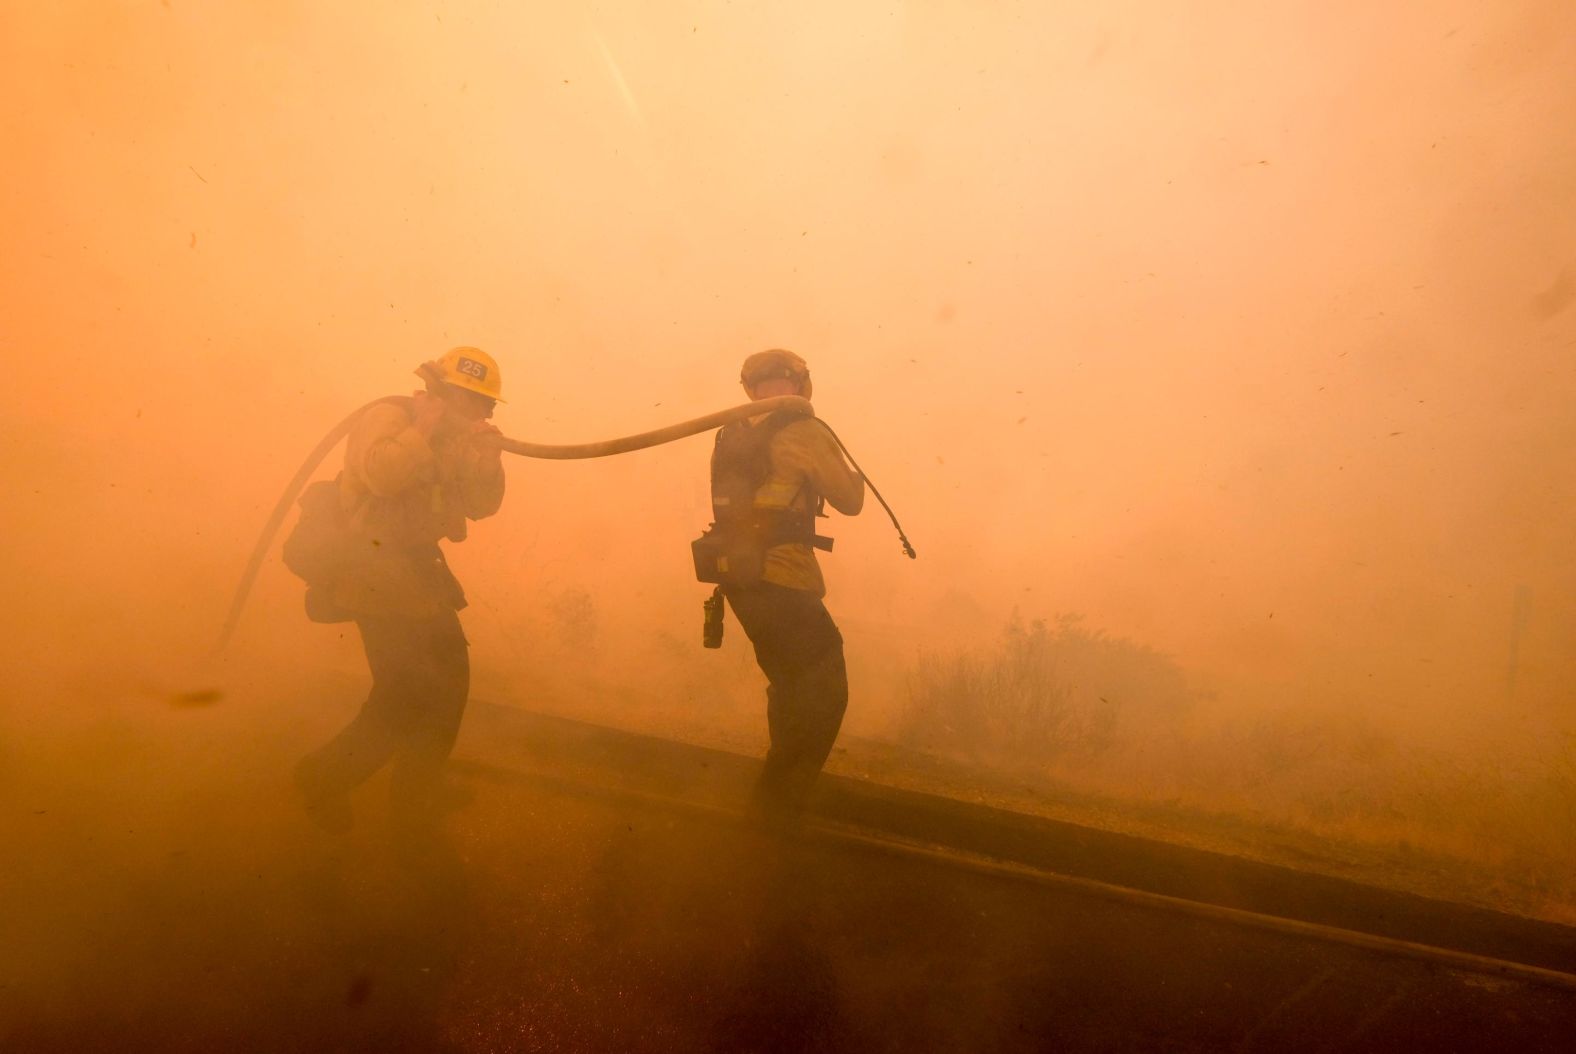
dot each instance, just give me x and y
(1043, 692)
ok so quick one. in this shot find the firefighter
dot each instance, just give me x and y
(784, 467)
(415, 471)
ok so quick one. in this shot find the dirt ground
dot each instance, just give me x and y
(1400, 866)
(166, 894)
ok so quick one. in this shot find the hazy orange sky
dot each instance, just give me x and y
(1247, 331)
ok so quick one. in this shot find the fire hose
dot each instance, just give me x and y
(553, 452)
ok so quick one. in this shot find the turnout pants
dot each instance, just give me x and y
(800, 650)
(421, 675)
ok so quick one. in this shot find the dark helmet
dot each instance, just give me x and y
(772, 364)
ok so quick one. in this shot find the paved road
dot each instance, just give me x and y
(599, 894)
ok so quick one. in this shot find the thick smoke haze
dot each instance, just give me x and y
(1246, 332)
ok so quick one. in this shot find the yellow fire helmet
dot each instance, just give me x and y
(472, 369)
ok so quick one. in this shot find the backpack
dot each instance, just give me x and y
(732, 551)
(319, 547)
(322, 545)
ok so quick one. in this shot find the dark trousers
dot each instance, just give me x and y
(800, 650)
(421, 675)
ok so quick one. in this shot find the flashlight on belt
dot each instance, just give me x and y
(711, 631)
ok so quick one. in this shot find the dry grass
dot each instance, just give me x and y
(1070, 709)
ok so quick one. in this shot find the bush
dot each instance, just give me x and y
(1041, 693)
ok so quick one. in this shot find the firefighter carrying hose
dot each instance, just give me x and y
(417, 468)
(415, 471)
(771, 476)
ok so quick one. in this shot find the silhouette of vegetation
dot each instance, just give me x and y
(1064, 710)
(575, 621)
(1046, 691)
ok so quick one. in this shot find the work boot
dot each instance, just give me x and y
(330, 810)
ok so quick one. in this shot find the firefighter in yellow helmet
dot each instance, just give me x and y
(416, 470)
(781, 468)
